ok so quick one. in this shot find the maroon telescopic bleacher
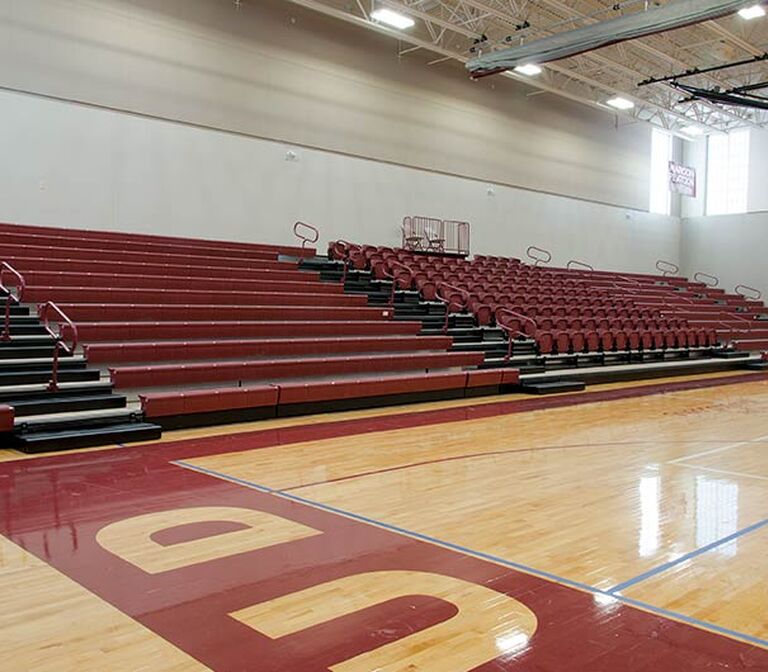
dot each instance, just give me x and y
(570, 311)
(183, 331)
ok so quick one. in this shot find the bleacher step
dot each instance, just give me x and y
(70, 439)
(11, 394)
(31, 329)
(15, 310)
(730, 354)
(23, 318)
(75, 420)
(31, 340)
(8, 365)
(27, 352)
(67, 404)
(34, 377)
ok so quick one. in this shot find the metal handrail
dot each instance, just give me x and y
(464, 293)
(757, 294)
(576, 262)
(43, 312)
(699, 275)
(667, 267)
(348, 259)
(510, 331)
(296, 232)
(396, 263)
(6, 267)
(539, 260)
(10, 298)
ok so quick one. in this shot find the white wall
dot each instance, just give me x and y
(757, 195)
(732, 247)
(278, 71)
(71, 165)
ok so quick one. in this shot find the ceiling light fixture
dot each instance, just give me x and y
(620, 103)
(392, 19)
(529, 69)
(693, 131)
(754, 12)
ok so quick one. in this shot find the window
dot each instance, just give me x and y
(727, 173)
(661, 155)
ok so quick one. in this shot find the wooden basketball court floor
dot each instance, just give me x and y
(620, 529)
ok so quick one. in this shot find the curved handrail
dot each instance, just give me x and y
(395, 263)
(10, 298)
(297, 231)
(5, 267)
(348, 258)
(464, 295)
(667, 267)
(538, 260)
(516, 315)
(509, 331)
(699, 277)
(43, 312)
(576, 262)
(756, 293)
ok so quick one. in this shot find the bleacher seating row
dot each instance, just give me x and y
(570, 311)
(173, 410)
(218, 330)
(188, 316)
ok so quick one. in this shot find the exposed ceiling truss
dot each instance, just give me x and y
(457, 29)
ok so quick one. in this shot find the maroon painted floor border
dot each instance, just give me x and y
(265, 438)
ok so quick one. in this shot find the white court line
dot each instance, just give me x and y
(723, 471)
(722, 449)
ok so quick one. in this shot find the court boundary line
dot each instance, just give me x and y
(726, 472)
(660, 569)
(511, 564)
(513, 451)
(722, 449)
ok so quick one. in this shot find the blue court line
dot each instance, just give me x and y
(480, 554)
(685, 558)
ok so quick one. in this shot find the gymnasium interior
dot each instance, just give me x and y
(384, 335)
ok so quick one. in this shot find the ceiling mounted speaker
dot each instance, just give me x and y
(628, 27)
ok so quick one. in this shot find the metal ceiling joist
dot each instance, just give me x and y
(454, 29)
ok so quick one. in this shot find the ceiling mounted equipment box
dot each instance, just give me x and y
(627, 27)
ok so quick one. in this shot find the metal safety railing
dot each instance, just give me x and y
(751, 293)
(514, 333)
(667, 267)
(706, 279)
(394, 277)
(439, 236)
(54, 318)
(306, 233)
(441, 296)
(582, 264)
(5, 270)
(544, 258)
